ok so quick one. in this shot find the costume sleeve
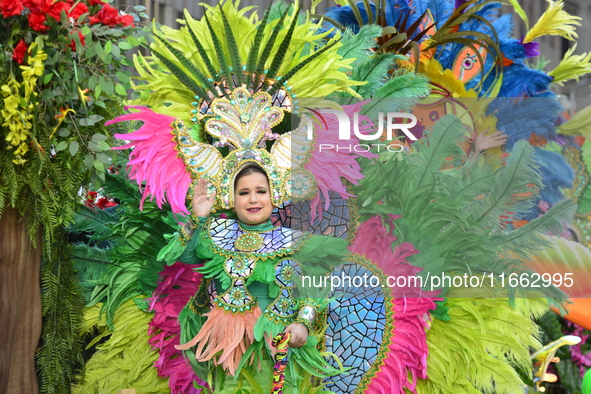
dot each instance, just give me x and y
(182, 244)
(317, 256)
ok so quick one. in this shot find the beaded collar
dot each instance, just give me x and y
(226, 235)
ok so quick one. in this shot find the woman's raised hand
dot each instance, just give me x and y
(202, 205)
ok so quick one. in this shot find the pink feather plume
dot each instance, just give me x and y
(154, 159)
(178, 283)
(408, 348)
(329, 166)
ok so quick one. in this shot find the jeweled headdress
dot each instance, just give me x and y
(215, 97)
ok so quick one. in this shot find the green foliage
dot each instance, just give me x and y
(60, 353)
(457, 211)
(80, 84)
(130, 243)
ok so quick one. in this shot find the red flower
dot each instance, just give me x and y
(56, 9)
(107, 16)
(11, 7)
(37, 6)
(80, 9)
(125, 20)
(19, 51)
(37, 22)
(94, 2)
(73, 43)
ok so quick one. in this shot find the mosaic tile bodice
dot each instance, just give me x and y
(276, 249)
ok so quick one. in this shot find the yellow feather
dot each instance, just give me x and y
(445, 78)
(320, 78)
(579, 124)
(555, 22)
(571, 67)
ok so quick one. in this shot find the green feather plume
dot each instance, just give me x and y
(125, 359)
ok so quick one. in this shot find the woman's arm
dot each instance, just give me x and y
(182, 244)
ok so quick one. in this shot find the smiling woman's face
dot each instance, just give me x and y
(252, 199)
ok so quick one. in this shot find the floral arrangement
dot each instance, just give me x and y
(66, 64)
(62, 75)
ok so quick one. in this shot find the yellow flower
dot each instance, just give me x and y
(16, 118)
(61, 117)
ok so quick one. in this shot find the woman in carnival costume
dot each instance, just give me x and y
(212, 116)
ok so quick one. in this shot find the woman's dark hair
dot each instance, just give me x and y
(249, 170)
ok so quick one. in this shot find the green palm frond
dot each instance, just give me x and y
(96, 222)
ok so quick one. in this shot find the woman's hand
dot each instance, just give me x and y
(201, 204)
(299, 334)
(484, 142)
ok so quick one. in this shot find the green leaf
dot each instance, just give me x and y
(61, 146)
(108, 46)
(102, 157)
(116, 52)
(90, 52)
(103, 145)
(88, 160)
(101, 175)
(47, 78)
(124, 45)
(99, 137)
(99, 165)
(64, 132)
(86, 30)
(109, 87)
(97, 92)
(139, 8)
(114, 32)
(91, 121)
(123, 76)
(132, 41)
(66, 75)
(99, 49)
(120, 90)
(74, 146)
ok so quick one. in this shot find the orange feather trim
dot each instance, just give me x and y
(227, 333)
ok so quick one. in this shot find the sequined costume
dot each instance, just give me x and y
(248, 296)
